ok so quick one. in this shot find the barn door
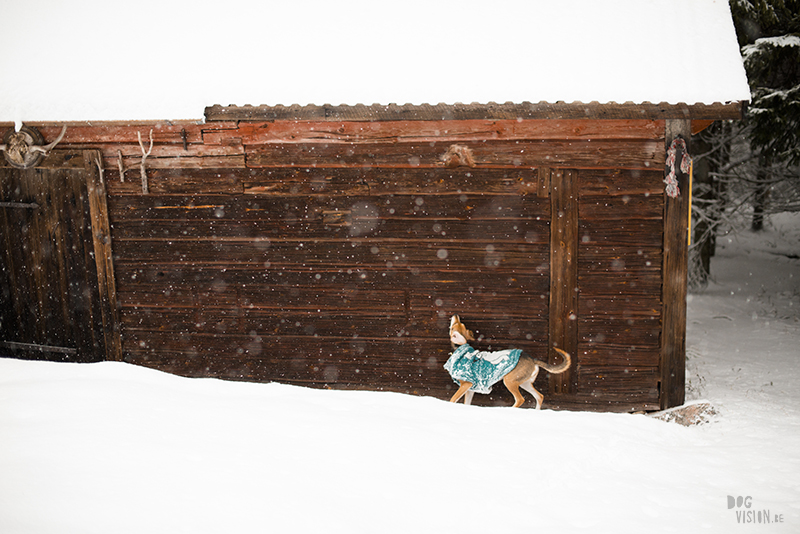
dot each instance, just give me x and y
(53, 305)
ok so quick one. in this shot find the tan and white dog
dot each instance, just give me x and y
(520, 376)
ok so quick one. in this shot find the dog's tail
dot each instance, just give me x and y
(556, 369)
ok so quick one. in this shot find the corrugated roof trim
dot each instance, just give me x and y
(492, 110)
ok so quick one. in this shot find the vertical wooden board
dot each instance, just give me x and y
(101, 240)
(543, 182)
(80, 295)
(676, 251)
(564, 274)
(15, 224)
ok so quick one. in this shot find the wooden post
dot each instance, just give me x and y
(101, 237)
(563, 274)
(675, 269)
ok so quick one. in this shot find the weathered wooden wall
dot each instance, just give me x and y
(332, 253)
(329, 276)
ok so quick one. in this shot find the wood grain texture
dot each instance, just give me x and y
(637, 154)
(564, 275)
(103, 255)
(676, 252)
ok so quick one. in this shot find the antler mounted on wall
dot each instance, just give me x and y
(145, 153)
(24, 149)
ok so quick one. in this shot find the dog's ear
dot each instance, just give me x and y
(458, 326)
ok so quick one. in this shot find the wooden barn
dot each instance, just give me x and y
(327, 246)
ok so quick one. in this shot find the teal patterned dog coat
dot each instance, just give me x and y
(483, 369)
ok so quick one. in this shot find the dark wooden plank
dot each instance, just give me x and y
(644, 233)
(335, 252)
(633, 206)
(619, 380)
(676, 251)
(454, 131)
(170, 181)
(620, 331)
(593, 258)
(543, 185)
(359, 301)
(599, 401)
(484, 305)
(390, 181)
(447, 130)
(620, 306)
(620, 283)
(386, 227)
(564, 274)
(610, 182)
(125, 132)
(635, 154)
(597, 355)
(134, 275)
(293, 210)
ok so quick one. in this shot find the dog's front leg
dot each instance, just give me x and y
(461, 390)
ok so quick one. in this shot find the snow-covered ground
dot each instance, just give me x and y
(113, 448)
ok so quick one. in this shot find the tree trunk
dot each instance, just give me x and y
(761, 195)
(707, 208)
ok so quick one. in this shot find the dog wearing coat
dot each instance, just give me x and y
(476, 371)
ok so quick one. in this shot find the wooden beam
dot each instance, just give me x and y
(563, 275)
(633, 154)
(454, 131)
(101, 237)
(525, 110)
(676, 253)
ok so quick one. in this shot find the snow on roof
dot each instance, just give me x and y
(167, 60)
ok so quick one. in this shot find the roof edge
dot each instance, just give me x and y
(525, 110)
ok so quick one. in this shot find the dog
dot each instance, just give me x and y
(477, 371)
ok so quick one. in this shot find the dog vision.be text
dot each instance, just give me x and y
(744, 513)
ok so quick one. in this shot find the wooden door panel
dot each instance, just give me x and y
(50, 302)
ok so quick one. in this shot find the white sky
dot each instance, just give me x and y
(150, 59)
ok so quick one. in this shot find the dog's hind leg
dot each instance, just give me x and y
(528, 386)
(464, 388)
(468, 397)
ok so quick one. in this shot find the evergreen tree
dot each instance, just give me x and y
(752, 164)
(769, 34)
